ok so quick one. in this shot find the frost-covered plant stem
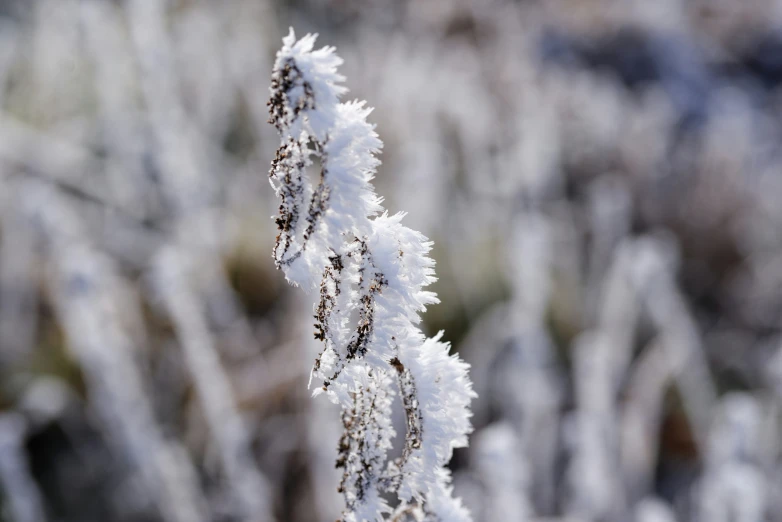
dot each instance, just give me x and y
(21, 493)
(336, 239)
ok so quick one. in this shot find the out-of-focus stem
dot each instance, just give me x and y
(680, 338)
(214, 389)
(92, 303)
(19, 488)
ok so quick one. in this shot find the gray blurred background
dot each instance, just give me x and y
(602, 180)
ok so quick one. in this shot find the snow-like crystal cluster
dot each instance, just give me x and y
(370, 272)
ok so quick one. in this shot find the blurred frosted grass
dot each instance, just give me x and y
(602, 183)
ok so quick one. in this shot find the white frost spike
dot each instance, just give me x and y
(370, 272)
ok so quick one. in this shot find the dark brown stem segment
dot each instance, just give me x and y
(361, 460)
(291, 160)
(371, 283)
(413, 418)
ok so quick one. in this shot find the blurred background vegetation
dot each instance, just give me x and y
(602, 182)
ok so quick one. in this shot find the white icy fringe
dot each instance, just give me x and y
(336, 239)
